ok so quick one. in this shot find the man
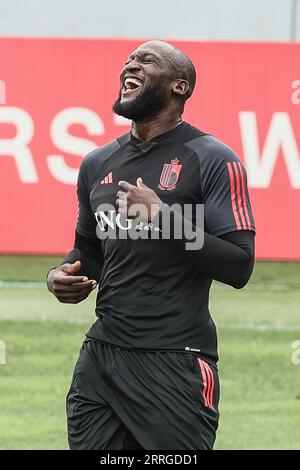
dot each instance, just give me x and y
(146, 377)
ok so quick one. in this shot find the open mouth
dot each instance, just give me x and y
(131, 84)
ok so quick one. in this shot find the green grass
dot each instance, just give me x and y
(260, 387)
(25, 267)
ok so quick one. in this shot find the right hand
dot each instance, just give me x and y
(66, 286)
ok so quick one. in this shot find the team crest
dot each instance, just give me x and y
(169, 175)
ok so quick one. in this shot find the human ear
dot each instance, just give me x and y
(180, 87)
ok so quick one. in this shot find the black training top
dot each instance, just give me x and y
(150, 294)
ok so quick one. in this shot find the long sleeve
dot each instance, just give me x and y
(87, 247)
(225, 234)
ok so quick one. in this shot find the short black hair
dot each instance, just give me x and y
(180, 63)
(185, 67)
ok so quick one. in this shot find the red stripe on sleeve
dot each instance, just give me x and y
(232, 190)
(239, 198)
(244, 196)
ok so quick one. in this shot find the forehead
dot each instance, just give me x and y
(150, 49)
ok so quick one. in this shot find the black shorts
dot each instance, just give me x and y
(128, 399)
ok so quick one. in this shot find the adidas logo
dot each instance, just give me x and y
(108, 179)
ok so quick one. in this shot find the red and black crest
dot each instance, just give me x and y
(169, 175)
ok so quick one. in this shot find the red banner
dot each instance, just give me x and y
(55, 106)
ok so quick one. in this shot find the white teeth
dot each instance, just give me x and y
(131, 80)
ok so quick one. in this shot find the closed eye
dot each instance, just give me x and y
(145, 59)
(149, 59)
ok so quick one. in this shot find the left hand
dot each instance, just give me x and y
(137, 201)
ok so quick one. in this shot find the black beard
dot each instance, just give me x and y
(145, 106)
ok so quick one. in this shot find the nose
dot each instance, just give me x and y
(132, 66)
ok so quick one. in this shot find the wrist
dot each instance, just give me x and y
(49, 278)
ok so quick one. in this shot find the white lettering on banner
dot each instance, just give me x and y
(296, 94)
(280, 136)
(260, 163)
(17, 146)
(2, 92)
(70, 143)
(121, 120)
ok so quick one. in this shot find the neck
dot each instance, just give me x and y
(157, 125)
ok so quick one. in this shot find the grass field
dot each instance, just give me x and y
(260, 386)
